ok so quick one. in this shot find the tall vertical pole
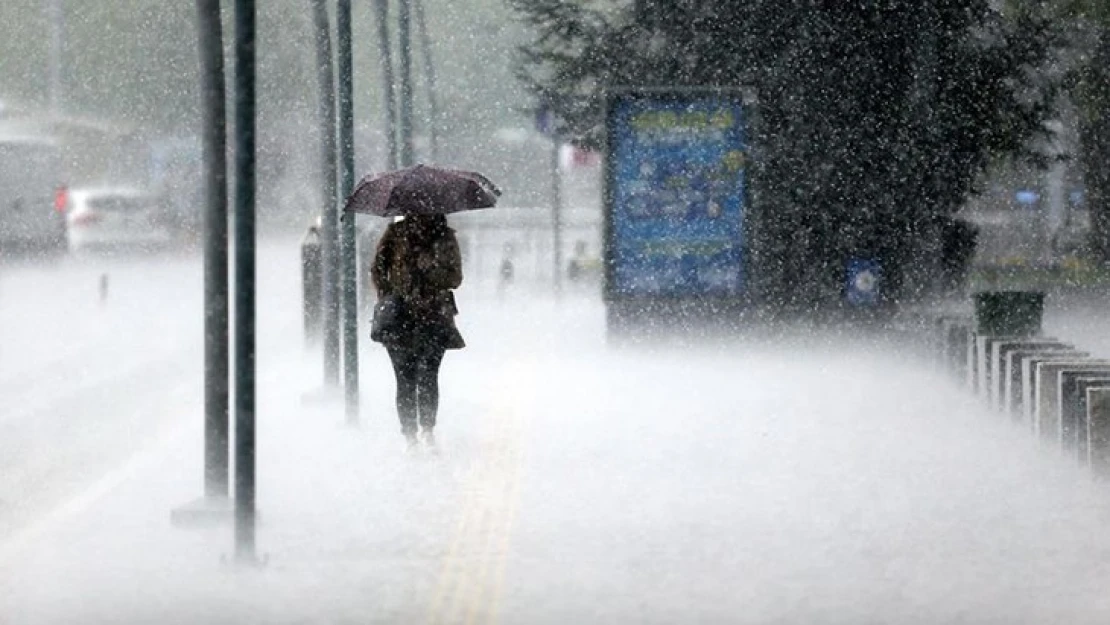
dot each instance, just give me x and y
(348, 246)
(430, 77)
(404, 36)
(556, 219)
(329, 227)
(244, 281)
(56, 17)
(216, 374)
(386, 56)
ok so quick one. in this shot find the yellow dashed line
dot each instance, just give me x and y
(451, 561)
(471, 578)
(502, 565)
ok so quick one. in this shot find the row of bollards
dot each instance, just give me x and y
(1059, 392)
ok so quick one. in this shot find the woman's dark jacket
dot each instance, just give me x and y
(421, 268)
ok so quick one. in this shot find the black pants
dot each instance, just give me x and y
(417, 372)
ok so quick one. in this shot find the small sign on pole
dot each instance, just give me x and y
(864, 281)
(545, 120)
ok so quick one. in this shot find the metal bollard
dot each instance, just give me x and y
(1013, 389)
(1046, 388)
(1000, 357)
(1098, 431)
(1002, 316)
(312, 304)
(1073, 408)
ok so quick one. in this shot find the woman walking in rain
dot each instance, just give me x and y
(415, 268)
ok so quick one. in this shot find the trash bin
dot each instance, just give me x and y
(1009, 313)
(312, 304)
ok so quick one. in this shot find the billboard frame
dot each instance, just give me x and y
(620, 304)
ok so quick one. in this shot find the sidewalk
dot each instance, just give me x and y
(744, 483)
(352, 528)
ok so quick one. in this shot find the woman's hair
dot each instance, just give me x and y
(423, 230)
(430, 224)
(399, 245)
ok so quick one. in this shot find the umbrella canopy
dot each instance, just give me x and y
(422, 190)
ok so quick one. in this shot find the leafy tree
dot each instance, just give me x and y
(876, 118)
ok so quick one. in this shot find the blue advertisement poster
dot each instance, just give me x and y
(676, 195)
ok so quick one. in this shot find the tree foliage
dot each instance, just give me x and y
(877, 118)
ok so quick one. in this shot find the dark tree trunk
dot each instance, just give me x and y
(1095, 147)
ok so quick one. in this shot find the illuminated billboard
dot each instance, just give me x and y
(675, 194)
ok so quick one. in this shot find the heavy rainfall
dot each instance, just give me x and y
(745, 311)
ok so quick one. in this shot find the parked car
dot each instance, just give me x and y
(115, 219)
(31, 174)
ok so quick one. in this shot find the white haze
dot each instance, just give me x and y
(756, 480)
(782, 477)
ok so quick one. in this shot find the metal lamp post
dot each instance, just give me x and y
(329, 226)
(348, 252)
(245, 517)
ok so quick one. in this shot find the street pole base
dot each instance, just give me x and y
(204, 512)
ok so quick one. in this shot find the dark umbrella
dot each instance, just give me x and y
(421, 190)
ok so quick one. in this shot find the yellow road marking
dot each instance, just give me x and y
(496, 508)
(450, 562)
(472, 576)
(503, 564)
